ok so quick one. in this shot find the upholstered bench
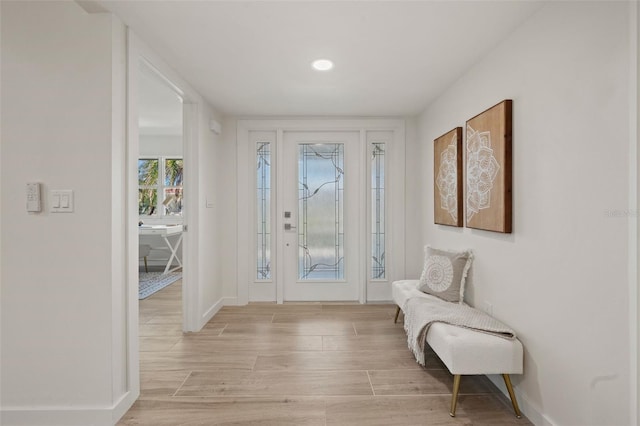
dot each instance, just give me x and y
(466, 351)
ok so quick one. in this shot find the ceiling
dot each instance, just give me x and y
(392, 58)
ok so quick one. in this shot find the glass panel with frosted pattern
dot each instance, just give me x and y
(377, 211)
(263, 203)
(321, 212)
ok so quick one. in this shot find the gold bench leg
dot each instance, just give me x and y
(512, 395)
(395, 320)
(454, 397)
(146, 267)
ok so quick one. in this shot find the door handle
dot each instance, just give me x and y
(288, 227)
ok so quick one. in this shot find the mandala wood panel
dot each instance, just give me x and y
(488, 174)
(447, 187)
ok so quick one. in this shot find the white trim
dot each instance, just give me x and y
(279, 219)
(242, 229)
(120, 381)
(363, 208)
(229, 301)
(533, 412)
(131, 233)
(211, 312)
(78, 416)
(190, 279)
(634, 207)
(122, 406)
(395, 197)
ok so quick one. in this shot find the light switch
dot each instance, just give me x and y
(61, 201)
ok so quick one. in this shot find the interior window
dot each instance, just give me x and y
(160, 176)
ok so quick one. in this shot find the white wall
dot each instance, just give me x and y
(634, 206)
(63, 343)
(167, 145)
(212, 207)
(414, 216)
(226, 178)
(560, 280)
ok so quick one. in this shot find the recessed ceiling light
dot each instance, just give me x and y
(322, 64)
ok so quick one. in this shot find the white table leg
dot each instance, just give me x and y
(174, 250)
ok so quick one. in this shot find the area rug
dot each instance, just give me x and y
(152, 282)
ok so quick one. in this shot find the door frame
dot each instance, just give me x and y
(137, 52)
(379, 291)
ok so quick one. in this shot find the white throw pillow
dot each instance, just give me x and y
(444, 273)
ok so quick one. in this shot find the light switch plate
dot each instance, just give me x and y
(61, 201)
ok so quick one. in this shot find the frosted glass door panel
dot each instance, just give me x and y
(320, 212)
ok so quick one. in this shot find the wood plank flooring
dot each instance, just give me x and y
(296, 364)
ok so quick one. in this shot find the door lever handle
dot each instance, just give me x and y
(288, 227)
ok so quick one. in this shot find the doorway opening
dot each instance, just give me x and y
(160, 174)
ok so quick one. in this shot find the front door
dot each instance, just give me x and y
(320, 217)
(316, 206)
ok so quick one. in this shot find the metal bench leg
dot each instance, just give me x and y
(454, 397)
(395, 320)
(512, 395)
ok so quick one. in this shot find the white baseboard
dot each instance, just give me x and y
(224, 301)
(123, 405)
(230, 301)
(210, 313)
(67, 416)
(530, 410)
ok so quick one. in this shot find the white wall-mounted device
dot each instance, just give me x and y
(61, 201)
(33, 197)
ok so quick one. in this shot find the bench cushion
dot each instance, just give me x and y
(401, 291)
(465, 351)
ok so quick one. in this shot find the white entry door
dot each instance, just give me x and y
(320, 218)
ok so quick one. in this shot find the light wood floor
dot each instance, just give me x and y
(296, 364)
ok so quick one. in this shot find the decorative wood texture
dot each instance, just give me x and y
(488, 171)
(447, 181)
(296, 364)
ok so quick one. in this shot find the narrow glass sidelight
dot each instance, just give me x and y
(377, 211)
(263, 193)
(321, 212)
